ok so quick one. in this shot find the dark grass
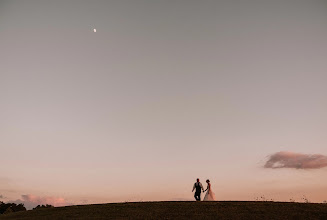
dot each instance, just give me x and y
(180, 210)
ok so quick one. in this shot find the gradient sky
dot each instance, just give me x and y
(164, 92)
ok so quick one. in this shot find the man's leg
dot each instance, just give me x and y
(197, 196)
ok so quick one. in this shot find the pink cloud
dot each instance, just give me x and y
(31, 201)
(55, 201)
(296, 160)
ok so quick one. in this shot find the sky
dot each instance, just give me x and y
(162, 93)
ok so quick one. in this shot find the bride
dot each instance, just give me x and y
(209, 196)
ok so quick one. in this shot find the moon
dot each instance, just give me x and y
(94, 30)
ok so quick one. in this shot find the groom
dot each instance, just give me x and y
(197, 187)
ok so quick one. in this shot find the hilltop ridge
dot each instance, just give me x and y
(180, 210)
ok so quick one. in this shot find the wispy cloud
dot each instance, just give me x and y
(31, 201)
(296, 160)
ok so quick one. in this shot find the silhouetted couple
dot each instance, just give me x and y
(209, 196)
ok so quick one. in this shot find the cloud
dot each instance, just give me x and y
(2, 197)
(296, 160)
(31, 201)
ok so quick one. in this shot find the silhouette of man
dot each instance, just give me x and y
(197, 187)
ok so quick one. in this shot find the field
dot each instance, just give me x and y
(180, 210)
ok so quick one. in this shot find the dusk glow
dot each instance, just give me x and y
(163, 93)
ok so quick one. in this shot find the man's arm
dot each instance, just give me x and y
(193, 187)
(202, 187)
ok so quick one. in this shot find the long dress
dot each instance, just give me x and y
(209, 196)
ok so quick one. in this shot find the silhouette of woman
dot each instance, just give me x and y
(209, 196)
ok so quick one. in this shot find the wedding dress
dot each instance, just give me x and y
(209, 196)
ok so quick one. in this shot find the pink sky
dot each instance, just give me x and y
(161, 94)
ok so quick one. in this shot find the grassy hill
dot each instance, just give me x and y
(180, 210)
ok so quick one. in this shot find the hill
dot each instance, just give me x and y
(180, 210)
